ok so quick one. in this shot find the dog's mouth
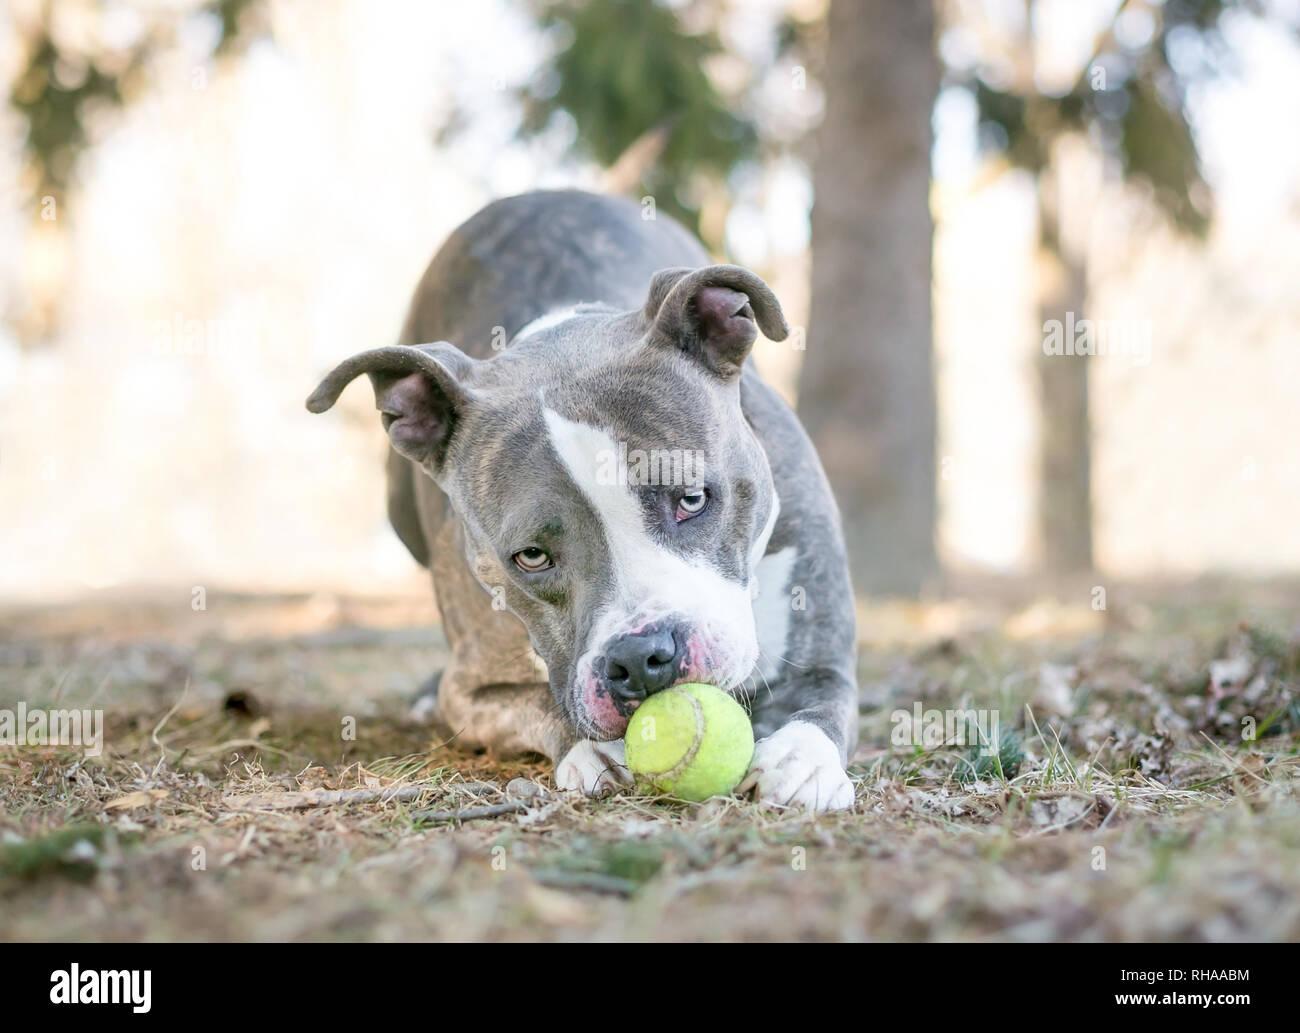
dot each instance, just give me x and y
(602, 713)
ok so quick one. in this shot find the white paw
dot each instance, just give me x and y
(595, 768)
(799, 766)
(424, 708)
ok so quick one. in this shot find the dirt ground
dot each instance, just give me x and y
(1140, 808)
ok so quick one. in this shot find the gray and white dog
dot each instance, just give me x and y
(608, 497)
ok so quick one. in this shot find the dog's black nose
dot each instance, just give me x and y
(640, 664)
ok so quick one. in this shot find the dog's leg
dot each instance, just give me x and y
(801, 723)
(804, 695)
(804, 698)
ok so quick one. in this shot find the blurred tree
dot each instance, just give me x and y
(65, 80)
(866, 391)
(628, 71)
(61, 84)
(1129, 101)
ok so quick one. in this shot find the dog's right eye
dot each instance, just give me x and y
(533, 560)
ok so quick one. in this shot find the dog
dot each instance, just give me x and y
(609, 499)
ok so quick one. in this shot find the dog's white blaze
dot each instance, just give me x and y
(651, 580)
(545, 322)
(772, 608)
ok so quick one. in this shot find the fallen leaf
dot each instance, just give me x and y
(140, 798)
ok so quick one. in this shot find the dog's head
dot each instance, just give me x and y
(612, 492)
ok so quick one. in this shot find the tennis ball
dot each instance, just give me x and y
(692, 741)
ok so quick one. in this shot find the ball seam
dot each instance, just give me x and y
(689, 756)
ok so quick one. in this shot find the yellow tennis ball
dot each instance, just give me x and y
(692, 741)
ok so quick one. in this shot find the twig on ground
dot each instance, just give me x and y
(159, 727)
(240, 744)
(597, 882)
(302, 800)
(492, 810)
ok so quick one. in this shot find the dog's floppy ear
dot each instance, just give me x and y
(418, 391)
(713, 314)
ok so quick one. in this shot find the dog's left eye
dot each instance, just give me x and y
(691, 504)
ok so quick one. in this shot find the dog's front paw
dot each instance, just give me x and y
(595, 768)
(799, 766)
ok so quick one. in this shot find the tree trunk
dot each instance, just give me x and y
(1065, 458)
(867, 386)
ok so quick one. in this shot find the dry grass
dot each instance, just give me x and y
(1138, 811)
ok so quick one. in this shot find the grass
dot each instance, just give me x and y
(1123, 804)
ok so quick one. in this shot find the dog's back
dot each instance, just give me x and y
(524, 257)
